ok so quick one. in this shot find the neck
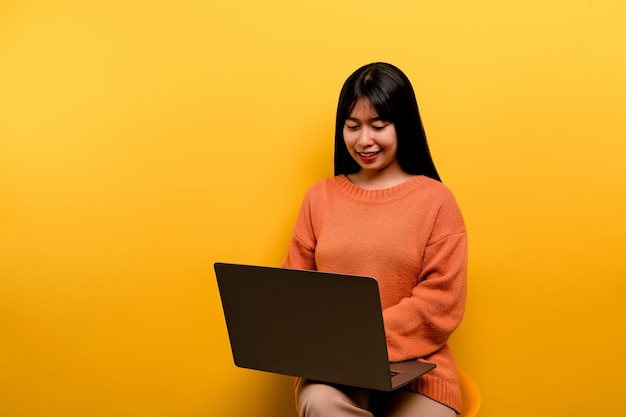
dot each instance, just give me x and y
(378, 180)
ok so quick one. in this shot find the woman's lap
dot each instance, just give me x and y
(322, 400)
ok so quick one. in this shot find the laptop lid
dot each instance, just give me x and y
(316, 325)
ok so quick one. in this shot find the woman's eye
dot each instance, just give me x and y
(352, 127)
(379, 127)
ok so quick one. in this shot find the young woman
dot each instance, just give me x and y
(386, 214)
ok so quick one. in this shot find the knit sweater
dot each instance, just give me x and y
(412, 239)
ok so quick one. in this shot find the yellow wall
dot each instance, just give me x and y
(142, 141)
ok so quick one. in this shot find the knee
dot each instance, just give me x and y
(315, 399)
(321, 400)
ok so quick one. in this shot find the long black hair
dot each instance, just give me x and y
(390, 93)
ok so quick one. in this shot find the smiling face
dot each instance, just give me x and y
(372, 142)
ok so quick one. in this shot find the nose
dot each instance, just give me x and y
(366, 137)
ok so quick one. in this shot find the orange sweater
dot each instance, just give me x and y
(412, 238)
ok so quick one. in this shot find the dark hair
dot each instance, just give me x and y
(390, 93)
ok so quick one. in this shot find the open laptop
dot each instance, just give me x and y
(321, 326)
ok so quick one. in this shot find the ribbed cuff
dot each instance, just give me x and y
(439, 390)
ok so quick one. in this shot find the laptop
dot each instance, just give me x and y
(321, 326)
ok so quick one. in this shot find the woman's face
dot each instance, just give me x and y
(372, 142)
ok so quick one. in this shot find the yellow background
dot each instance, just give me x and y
(141, 141)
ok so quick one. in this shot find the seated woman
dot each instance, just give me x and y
(386, 214)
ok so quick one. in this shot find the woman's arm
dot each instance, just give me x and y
(422, 323)
(301, 252)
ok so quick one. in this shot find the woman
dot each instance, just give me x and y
(386, 214)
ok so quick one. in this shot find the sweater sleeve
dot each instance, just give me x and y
(421, 324)
(301, 252)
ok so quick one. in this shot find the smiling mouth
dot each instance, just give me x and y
(368, 154)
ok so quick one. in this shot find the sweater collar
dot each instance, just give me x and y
(378, 196)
